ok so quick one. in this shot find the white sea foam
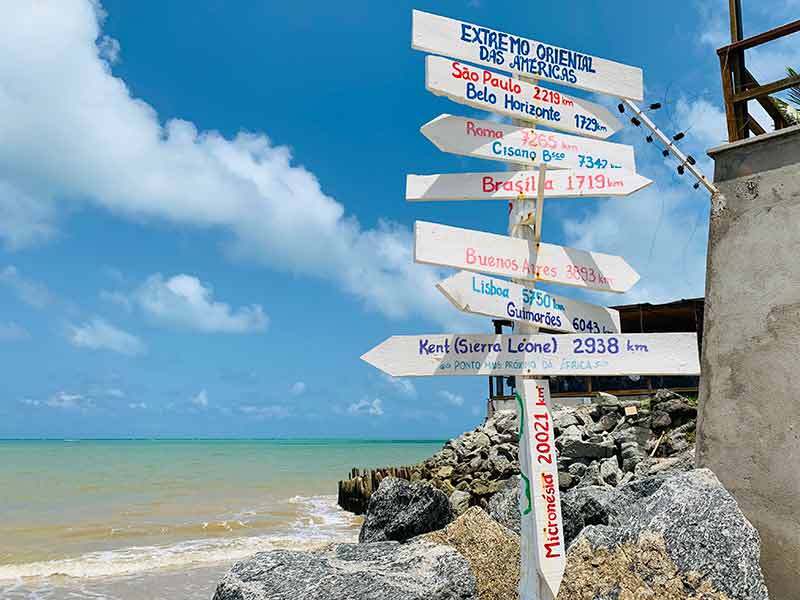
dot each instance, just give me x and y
(320, 522)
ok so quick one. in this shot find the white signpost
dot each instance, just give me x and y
(525, 146)
(481, 45)
(593, 344)
(512, 185)
(472, 250)
(538, 354)
(487, 90)
(501, 299)
(540, 498)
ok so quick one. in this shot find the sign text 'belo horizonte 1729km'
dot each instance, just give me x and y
(583, 339)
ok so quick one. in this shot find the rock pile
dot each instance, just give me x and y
(598, 444)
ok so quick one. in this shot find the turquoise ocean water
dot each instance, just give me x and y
(135, 519)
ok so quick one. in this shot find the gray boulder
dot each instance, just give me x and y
(676, 538)
(504, 505)
(459, 501)
(399, 510)
(417, 570)
(577, 448)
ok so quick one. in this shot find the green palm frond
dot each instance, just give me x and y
(794, 91)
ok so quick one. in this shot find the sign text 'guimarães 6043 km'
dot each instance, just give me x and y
(501, 299)
(472, 250)
(502, 94)
(525, 146)
(481, 45)
(510, 185)
(539, 354)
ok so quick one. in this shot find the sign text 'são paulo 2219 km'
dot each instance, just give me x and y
(502, 94)
(509, 185)
(501, 299)
(481, 45)
(525, 146)
(472, 250)
(540, 354)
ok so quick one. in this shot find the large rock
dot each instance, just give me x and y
(399, 510)
(504, 505)
(676, 538)
(577, 448)
(491, 550)
(417, 570)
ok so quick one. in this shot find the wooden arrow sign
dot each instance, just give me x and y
(472, 250)
(507, 52)
(525, 146)
(501, 299)
(540, 499)
(539, 354)
(509, 185)
(515, 98)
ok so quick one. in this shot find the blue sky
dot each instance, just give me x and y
(202, 224)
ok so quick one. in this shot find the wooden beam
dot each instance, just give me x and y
(767, 104)
(754, 126)
(735, 9)
(735, 131)
(751, 93)
(762, 38)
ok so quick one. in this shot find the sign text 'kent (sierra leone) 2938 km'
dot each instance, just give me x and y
(515, 98)
(472, 250)
(451, 37)
(540, 354)
(525, 146)
(501, 299)
(510, 185)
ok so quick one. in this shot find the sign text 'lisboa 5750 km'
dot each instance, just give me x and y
(481, 45)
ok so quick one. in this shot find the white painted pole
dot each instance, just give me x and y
(523, 219)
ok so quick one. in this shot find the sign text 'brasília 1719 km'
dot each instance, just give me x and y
(501, 299)
(511, 185)
(472, 250)
(502, 94)
(539, 354)
(481, 45)
(525, 146)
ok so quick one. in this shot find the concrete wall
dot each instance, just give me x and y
(749, 423)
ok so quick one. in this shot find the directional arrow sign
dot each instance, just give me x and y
(491, 91)
(508, 185)
(525, 146)
(501, 299)
(481, 45)
(541, 504)
(539, 354)
(514, 257)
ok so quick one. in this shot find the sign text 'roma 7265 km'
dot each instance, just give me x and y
(525, 146)
(511, 185)
(539, 354)
(481, 45)
(501, 299)
(514, 98)
(472, 250)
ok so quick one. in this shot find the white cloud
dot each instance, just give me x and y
(63, 116)
(30, 402)
(67, 401)
(97, 334)
(402, 386)
(298, 388)
(183, 301)
(12, 332)
(28, 291)
(137, 405)
(201, 399)
(366, 407)
(114, 393)
(451, 398)
(272, 411)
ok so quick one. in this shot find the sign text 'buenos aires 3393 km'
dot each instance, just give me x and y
(525, 146)
(482, 45)
(472, 250)
(502, 94)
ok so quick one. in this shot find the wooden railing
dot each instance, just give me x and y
(739, 86)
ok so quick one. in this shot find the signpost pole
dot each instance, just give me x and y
(525, 222)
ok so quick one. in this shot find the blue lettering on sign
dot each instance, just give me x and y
(538, 112)
(484, 95)
(426, 347)
(489, 288)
